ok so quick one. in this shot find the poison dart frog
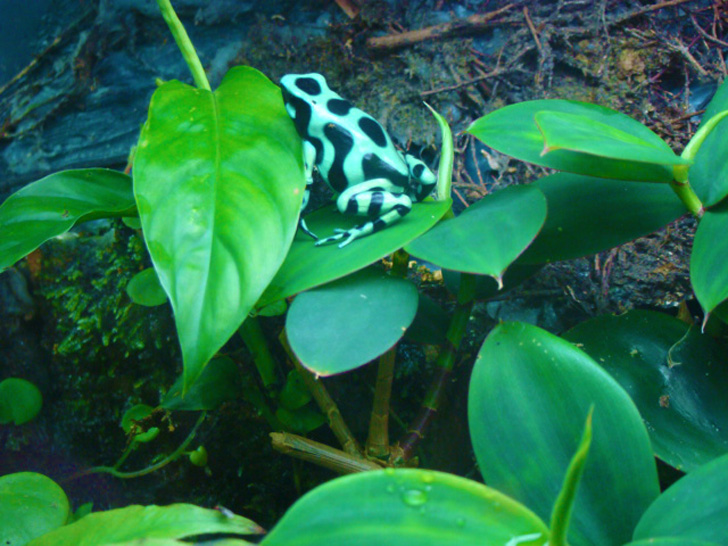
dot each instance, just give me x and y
(355, 157)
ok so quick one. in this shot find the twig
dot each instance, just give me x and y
(533, 30)
(350, 7)
(320, 454)
(705, 34)
(648, 9)
(678, 46)
(474, 23)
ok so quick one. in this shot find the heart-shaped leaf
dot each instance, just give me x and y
(20, 401)
(529, 394)
(513, 131)
(54, 204)
(307, 265)
(144, 289)
(488, 236)
(408, 507)
(139, 522)
(30, 506)
(677, 379)
(694, 508)
(218, 180)
(347, 323)
(708, 263)
(587, 215)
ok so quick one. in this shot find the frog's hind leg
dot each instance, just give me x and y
(375, 199)
(309, 156)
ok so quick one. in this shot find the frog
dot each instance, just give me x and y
(354, 156)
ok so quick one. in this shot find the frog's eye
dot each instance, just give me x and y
(309, 85)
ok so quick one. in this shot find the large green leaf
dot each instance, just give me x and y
(587, 215)
(581, 133)
(407, 507)
(696, 507)
(219, 382)
(488, 236)
(30, 505)
(709, 260)
(709, 174)
(513, 131)
(307, 265)
(54, 204)
(138, 522)
(677, 379)
(340, 326)
(218, 180)
(529, 395)
(672, 541)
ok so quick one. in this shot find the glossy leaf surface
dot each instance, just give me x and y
(409, 507)
(673, 541)
(513, 131)
(696, 507)
(218, 181)
(709, 175)
(709, 260)
(30, 505)
(677, 379)
(219, 382)
(488, 236)
(20, 401)
(580, 208)
(307, 266)
(53, 205)
(580, 133)
(144, 289)
(138, 522)
(530, 393)
(347, 323)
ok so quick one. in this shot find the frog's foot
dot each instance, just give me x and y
(303, 227)
(347, 234)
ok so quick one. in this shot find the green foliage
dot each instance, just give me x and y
(20, 401)
(30, 506)
(352, 309)
(144, 289)
(219, 382)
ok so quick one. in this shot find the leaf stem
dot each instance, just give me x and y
(185, 44)
(377, 444)
(252, 335)
(320, 454)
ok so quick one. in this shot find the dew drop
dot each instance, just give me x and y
(414, 497)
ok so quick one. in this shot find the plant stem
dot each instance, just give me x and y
(444, 366)
(113, 470)
(685, 192)
(377, 444)
(252, 335)
(320, 454)
(185, 44)
(325, 403)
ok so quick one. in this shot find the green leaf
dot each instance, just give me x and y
(54, 204)
(294, 393)
(30, 506)
(513, 131)
(408, 507)
(708, 263)
(528, 396)
(564, 505)
(302, 420)
(173, 542)
(672, 541)
(696, 507)
(488, 236)
(581, 133)
(709, 174)
(580, 208)
(307, 266)
(138, 522)
(429, 327)
(218, 180)
(219, 382)
(20, 401)
(138, 413)
(144, 289)
(487, 287)
(675, 375)
(347, 323)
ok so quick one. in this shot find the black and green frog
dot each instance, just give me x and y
(355, 156)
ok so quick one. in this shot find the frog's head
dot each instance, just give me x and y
(300, 91)
(422, 179)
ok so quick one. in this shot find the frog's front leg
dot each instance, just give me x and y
(309, 158)
(379, 199)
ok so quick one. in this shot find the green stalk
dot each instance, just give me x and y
(185, 44)
(444, 366)
(113, 470)
(377, 444)
(252, 335)
(320, 454)
(447, 157)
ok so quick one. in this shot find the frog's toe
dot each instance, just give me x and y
(328, 240)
